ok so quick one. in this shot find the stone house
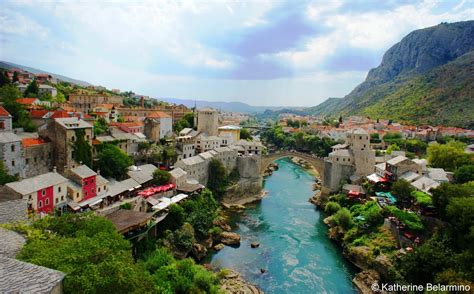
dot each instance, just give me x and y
(45, 192)
(158, 125)
(186, 146)
(11, 153)
(400, 165)
(38, 156)
(208, 121)
(63, 132)
(5, 120)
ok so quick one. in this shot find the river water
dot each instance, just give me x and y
(294, 248)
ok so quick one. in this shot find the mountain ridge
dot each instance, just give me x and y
(417, 55)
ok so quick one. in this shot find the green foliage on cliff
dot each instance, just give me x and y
(95, 258)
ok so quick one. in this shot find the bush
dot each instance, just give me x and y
(422, 198)
(371, 212)
(464, 174)
(343, 218)
(332, 207)
(161, 177)
(411, 220)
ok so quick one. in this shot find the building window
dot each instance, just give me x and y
(40, 204)
(46, 202)
(27, 160)
(13, 148)
(98, 189)
(57, 200)
(43, 192)
(77, 194)
(73, 138)
(62, 198)
(13, 163)
(59, 189)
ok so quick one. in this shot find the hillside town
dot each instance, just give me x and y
(130, 159)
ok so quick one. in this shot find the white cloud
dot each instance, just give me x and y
(12, 22)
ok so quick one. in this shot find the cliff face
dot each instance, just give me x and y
(427, 68)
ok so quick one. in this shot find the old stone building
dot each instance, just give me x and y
(38, 155)
(208, 121)
(63, 132)
(11, 153)
(176, 112)
(85, 102)
(158, 125)
(5, 120)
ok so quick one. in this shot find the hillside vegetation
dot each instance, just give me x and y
(427, 78)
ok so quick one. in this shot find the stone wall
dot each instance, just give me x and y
(334, 176)
(38, 159)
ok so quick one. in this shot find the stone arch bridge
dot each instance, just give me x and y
(316, 162)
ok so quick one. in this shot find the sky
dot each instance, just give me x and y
(265, 53)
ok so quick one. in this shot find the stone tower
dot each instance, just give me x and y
(207, 121)
(364, 157)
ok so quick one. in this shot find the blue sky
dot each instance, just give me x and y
(293, 53)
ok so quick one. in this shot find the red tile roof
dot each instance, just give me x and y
(27, 142)
(158, 114)
(4, 112)
(38, 113)
(26, 101)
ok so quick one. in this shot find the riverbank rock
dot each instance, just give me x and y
(199, 251)
(208, 242)
(232, 282)
(319, 200)
(230, 238)
(336, 234)
(221, 223)
(255, 245)
(219, 247)
(270, 169)
(364, 281)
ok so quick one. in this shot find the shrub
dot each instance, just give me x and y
(422, 198)
(343, 218)
(411, 220)
(332, 207)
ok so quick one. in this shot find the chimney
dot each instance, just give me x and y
(142, 102)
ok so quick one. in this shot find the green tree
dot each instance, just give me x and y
(4, 80)
(201, 213)
(332, 207)
(95, 258)
(113, 162)
(21, 117)
(82, 148)
(15, 77)
(217, 181)
(32, 90)
(169, 155)
(343, 218)
(101, 126)
(443, 194)
(245, 134)
(421, 266)
(60, 98)
(460, 213)
(402, 190)
(175, 218)
(392, 147)
(161, 177)
(4, 176)
(464, 174)
(449, 156)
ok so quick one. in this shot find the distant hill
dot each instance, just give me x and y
(225, 106)
(426, 78)
(9, 65)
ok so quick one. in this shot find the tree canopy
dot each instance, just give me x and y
(4, 176)
(112, 161)
(95, 258)
(161, 177)
(449, 156)
(21, 117)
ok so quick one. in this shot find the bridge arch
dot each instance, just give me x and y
(316, 162)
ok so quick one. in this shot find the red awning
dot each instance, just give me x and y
(157, 189)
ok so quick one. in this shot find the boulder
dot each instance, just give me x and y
(208, 242)
(255, 245)
(232, 282)
(365, 280)
(219, 247)
(230, 238)
(199, 251)
(221, 223)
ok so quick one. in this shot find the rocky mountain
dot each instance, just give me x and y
(426, 78)
(9, 65)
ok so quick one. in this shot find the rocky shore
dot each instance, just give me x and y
(232, 282)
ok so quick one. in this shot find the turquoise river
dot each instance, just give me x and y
(294, 248)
